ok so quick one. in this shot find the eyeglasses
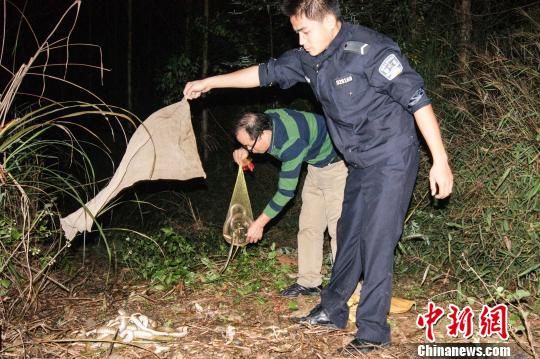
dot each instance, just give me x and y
(250, 150)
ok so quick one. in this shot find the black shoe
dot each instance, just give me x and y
(317, 316)
(361, 346)
(296, 289)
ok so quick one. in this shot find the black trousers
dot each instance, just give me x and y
(374, 208)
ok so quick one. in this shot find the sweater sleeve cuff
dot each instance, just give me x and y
(271, 213)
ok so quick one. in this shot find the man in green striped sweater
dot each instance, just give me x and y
(294, 137)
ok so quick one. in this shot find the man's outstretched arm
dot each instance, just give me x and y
(440, 176)
(244, 78)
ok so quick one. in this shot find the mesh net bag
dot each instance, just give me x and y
(239, 215)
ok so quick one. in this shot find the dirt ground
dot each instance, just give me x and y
(219, 324)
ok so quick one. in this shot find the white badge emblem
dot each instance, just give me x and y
(391, 67)
(307, 79)
(344, 80)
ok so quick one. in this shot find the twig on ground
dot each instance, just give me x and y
(43, 342)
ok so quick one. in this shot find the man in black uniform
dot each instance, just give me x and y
(370, 96)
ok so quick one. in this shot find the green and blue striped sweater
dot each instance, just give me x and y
(297, 137)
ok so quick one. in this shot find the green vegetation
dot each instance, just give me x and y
(42, 153)
(196, 257)
(488, 235)
(168, 256)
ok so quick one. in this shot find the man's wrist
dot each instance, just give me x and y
(440, 159)
(262, 220)
(209, 83)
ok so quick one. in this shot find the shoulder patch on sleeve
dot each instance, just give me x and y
(357, 47)
(390, 67)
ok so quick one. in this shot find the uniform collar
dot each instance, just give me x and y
(342, 36)
(272, 147)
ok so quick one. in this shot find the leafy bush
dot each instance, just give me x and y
(490, 235)
(36, 135)
(170, 255)
(198, 256)
(253, 269)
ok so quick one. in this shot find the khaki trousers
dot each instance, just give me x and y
(322, 198)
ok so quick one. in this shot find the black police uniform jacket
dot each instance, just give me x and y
(367, 89)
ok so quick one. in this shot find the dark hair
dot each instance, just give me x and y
(254, 123)
(312, 9)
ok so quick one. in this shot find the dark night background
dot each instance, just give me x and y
(168, 41)
(239, 34)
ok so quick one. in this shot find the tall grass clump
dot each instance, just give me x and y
(39, 151)
(487, 238)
